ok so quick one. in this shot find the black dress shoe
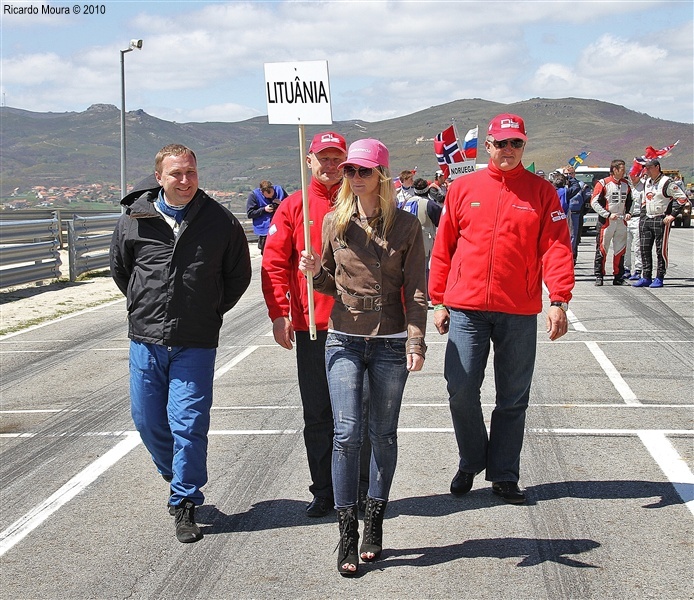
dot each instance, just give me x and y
(462, 483)
(320, 506)
(509, 492)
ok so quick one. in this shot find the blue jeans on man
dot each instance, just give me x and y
(469, 338)
(170, 401)
(349, 360)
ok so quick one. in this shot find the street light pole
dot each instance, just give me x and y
(133, 45)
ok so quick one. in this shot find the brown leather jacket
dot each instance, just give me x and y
(379, 285)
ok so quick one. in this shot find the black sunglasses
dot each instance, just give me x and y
(364, 172)
(503, 143)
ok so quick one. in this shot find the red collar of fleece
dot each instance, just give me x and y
(320, 190)
(497, 173)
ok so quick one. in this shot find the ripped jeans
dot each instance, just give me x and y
(348, 359)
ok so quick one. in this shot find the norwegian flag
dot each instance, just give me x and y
(650, 152)
(447, 149)
(470, 144)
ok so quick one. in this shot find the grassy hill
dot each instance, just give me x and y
(59, 149)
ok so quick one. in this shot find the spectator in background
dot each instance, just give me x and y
(428, 211)
(406, 190)
(182, 261)
(439, 187)
(558, 180)
(261, 205)
(578, 193)
(612, 201)
(540, 174)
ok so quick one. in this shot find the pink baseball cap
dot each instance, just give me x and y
(507, 126)
(327, 139)
(367, 153)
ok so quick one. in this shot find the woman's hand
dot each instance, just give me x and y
(415, 362)
(307, 263)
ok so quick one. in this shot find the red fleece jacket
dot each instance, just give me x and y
(280, 275)
(501, 233)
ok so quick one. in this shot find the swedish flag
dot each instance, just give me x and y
(578, 159)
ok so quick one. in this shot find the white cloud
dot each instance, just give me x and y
(205, 61)
(646, 73)
(217, 112)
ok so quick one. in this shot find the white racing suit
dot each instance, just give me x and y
(632, 258)
(611, 197)
(661, 197)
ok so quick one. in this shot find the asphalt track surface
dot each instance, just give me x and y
(607, 467)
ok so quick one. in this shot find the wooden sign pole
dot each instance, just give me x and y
(307, 232)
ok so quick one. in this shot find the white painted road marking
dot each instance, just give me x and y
(37, 515)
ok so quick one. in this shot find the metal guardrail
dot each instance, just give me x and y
(38, 241)
(88, 241)
(32, 247)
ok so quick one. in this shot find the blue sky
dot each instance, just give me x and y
(203, 61)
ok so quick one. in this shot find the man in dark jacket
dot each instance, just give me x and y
(577, 195)
(182, 261)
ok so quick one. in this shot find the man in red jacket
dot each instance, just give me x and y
(502, 232)
(286, 296)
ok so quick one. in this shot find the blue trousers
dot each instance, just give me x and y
(318, 415)
(575, 217)
(170, 401)
(349, 360)
(515, 340)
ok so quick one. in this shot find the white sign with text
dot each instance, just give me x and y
(463, 168)
(298, 93)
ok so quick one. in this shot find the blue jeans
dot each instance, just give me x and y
(318, 415)
(170, 401)
(515, 340)
(348, 360)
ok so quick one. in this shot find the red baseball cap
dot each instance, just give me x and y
(507, 126)
(327, 139)
(367, 153)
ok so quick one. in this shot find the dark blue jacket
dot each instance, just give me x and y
(255, 208)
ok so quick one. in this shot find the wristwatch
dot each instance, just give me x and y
(563, 305)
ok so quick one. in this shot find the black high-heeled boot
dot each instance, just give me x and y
(373, 529)
(349, 538)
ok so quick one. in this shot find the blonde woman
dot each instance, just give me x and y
(373, 264)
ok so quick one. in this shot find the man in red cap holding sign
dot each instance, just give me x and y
(502, 232)
(286, 296)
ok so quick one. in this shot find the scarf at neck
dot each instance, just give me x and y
(177, 213)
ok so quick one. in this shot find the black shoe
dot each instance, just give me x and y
(186, 529)
(361, 500)
(462, 483)
(349, 538)
(509, 492)
(373, 530)
(320, 506)
(598, 281)
(619, 281)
